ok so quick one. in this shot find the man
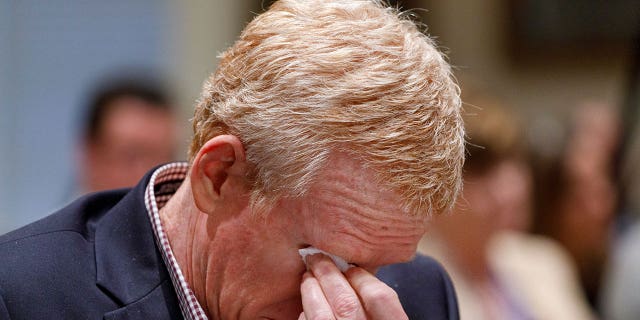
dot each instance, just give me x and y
(328, 124)
(130, 127)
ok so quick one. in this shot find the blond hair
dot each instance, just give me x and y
(310, 77)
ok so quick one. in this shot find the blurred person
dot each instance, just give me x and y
(130, 127)
(499, 270)
(619, 300)
(330, 124)
(577, 193)
(621, 281)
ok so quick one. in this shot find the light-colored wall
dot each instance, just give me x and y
(475, 31)
(51, 56)
(201, 30)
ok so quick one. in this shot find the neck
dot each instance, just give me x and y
(185, 227)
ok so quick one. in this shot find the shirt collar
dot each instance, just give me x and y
(163, 184)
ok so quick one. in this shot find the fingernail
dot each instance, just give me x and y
(315, 258)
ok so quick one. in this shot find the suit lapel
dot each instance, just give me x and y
(160, 304)
(129, 267)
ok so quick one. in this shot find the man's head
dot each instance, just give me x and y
(308, 78)
(129, 128)
(340, 122)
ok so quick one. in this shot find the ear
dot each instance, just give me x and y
(218, 173)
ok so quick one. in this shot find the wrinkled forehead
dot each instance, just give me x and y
(362, 219)
(361, 178)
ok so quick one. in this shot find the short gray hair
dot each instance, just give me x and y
(310, 77)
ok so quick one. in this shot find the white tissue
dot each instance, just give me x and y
(340, 263)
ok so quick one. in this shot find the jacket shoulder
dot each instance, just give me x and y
(424, 288)
(49, 265)
(80, 216)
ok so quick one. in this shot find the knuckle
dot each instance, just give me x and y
(346, 306)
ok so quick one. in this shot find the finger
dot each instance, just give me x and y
(314, 304)
(380, 301)
(301, 316)
(337, 290)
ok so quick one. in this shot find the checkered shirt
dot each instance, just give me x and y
(163, 184)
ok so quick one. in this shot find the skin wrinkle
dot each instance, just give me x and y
(373, 231)
(194, 264)
(370, 252)
(184, 244)
(366, 228)
(228, 273)
(364, 212)
(213, 282)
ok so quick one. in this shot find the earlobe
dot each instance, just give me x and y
(215, 169)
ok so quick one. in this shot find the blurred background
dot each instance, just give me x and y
(563, 76)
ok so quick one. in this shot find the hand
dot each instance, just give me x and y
(329, 294)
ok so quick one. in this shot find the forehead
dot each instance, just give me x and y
(357, 217)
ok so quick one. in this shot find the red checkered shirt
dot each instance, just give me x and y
(163, 184)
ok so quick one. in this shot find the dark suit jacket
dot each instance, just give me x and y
(97, 259)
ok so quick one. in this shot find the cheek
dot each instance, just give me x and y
(271, 289)
(264, 273)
